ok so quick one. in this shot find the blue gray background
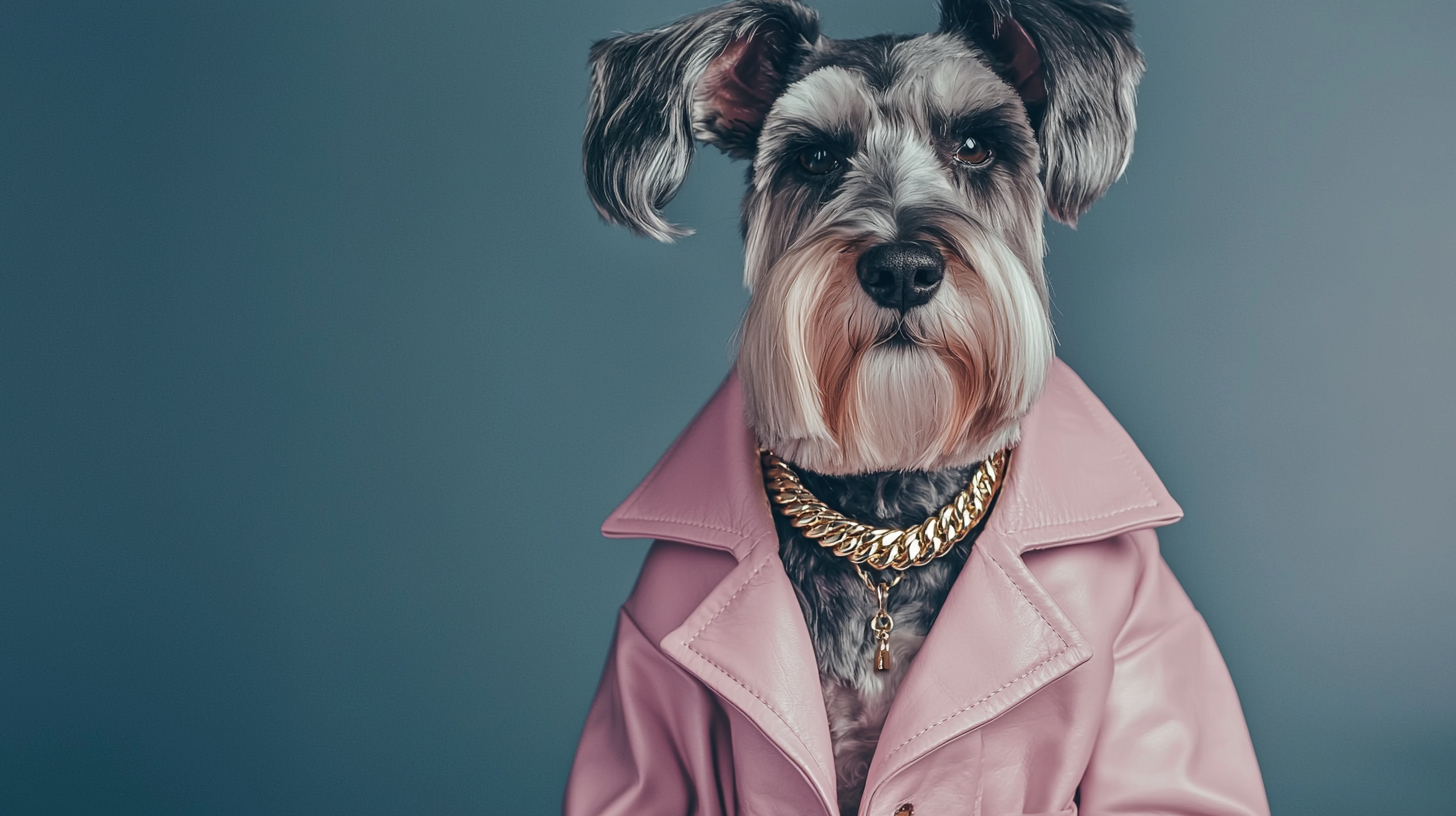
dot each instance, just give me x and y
(318, 373)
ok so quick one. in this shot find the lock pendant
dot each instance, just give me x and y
(882, 651)
(881, 624)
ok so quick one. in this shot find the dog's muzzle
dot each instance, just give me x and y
(901, 275)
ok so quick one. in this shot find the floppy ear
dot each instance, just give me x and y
(712, 75)
(1076, 68)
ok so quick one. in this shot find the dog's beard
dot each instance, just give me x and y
(839, 385)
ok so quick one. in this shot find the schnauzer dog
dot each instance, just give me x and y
(898, 327)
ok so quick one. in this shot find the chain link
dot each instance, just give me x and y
(879, 547)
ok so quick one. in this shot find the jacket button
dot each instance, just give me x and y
(906, 809)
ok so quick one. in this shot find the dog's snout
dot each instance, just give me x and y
(901, 275)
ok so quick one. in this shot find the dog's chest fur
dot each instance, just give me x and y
(838, 606)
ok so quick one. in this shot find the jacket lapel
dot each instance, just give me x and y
(998, 639)
(747, 639)
(1075, 477)
(748, 642)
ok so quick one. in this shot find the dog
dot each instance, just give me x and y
(898, 327)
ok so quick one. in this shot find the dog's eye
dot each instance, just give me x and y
(974, 153)
(816, 161)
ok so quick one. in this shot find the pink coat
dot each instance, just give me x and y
(1051, 667)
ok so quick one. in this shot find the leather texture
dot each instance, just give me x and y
(1051, 669)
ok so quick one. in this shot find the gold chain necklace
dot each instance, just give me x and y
(879, 547)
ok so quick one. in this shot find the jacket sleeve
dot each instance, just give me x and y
(655, 741)
(1173, 738)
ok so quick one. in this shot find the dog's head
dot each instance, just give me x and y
(893, 220)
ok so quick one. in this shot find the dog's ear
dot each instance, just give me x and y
(713, 75)
(1076, 68)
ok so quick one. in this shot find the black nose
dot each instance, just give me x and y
(901, 275)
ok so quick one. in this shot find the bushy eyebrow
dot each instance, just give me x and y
(830, 98)
(795, 135)
(996, 121)
(956, 87)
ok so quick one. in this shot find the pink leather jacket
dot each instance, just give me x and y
(1053, 670)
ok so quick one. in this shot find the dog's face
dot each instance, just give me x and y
(893, 220)
(898, 314)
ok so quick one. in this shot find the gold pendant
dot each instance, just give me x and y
(882, 652)
(882, 624)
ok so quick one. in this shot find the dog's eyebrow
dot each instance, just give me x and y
(992, 122)
(831, 99)
(802, 134)
(959, 87)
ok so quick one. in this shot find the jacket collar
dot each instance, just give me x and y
(1075, 477)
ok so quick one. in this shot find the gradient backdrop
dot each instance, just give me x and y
(318, 373)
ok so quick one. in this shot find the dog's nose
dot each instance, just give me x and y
(901, 275)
